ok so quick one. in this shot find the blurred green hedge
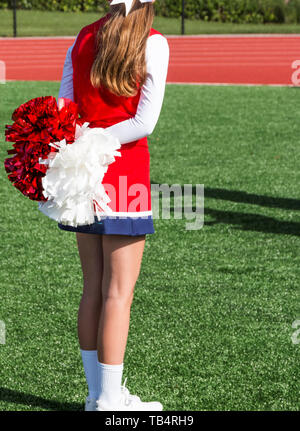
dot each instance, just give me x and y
(238, 11)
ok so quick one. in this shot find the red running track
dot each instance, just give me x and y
(250, 59)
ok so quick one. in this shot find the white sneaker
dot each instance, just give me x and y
(129, 402)
(90, 404)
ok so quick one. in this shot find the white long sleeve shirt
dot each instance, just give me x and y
(152, 92)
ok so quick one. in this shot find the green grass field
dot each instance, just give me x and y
(42, 23)
(213, 308)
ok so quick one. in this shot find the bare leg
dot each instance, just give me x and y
(122, 257)
(91, 256)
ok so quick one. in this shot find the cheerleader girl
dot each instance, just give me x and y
(116, 72)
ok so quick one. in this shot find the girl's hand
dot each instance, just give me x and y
(61, 103)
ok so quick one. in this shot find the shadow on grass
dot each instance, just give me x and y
(16, 397)
(250, 198)
(248, 221)
(252, 222)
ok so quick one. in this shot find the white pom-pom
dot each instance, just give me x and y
(74, 177)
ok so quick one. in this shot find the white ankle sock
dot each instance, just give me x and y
(90, 360)
(110, 378)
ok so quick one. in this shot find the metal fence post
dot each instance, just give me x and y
(182, 17)
(14, 5)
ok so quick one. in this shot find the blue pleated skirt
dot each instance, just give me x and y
(116, 225)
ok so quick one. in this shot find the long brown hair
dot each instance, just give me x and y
(120, 63)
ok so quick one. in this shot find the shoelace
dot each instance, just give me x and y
(127, 395)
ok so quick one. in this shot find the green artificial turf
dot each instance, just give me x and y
(213, 308)
(43, 23)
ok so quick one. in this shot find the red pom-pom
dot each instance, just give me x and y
(37, 123)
